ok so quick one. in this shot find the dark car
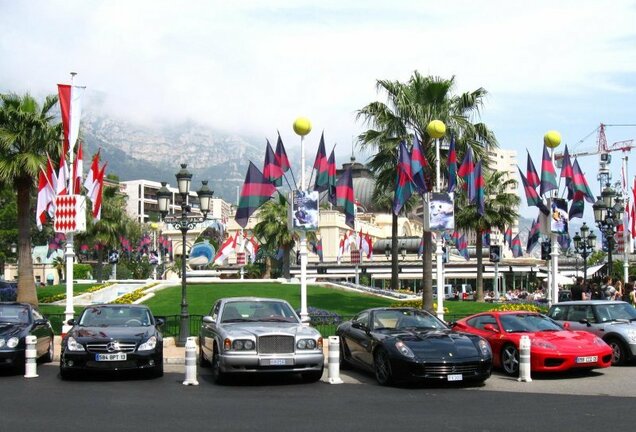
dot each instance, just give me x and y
(17, 321)
(406, 344)
(113, 338)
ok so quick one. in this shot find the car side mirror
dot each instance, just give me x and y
(491, 328)
(566, 325)
(40, 322)
(159, 321)
(208, 319)
(358, 325)
(71, 322)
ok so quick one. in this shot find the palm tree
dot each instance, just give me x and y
(500, 211)
(272, 231)
(106, 232)
(27, 133)
(410, 107)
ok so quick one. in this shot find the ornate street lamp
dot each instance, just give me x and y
(184, 222)
(584, 245)
(607, 215)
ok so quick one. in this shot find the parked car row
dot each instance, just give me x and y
(248, 335)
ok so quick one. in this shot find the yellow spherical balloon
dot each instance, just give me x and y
(552, 139)
(436, 129)
(154, 225)
(302, 126)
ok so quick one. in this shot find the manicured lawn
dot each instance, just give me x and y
(344, 303)
(201, 297)
(48, 291)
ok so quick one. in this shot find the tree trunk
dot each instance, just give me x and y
(286, 272)
(27, 292)
(480, 270)
(395, 282)
(427, 272)
(100, 265)
(268, 268)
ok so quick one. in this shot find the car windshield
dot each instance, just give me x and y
(261, 311)
(515, 323)
(14, 314)
(115, 317)
(405, 319)
(616, 311)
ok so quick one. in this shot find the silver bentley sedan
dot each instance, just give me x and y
(253, 335)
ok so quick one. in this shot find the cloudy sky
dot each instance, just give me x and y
(251, 67)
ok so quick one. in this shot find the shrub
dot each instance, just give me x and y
(417, 304)
(130, 297)
(529, 307)
(82, 271)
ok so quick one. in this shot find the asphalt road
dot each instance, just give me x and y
(578, 402)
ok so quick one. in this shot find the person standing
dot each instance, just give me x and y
(607, 290)
(577, 289)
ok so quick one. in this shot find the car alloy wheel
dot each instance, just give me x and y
(510, 360)
(382, 365)
(217, 376)
(48, 357)
(618, 352)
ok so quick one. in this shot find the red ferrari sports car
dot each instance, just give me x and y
(553, 348)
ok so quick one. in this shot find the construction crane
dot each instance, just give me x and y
(603, 150)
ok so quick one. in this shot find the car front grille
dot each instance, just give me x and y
(446, 369)
(276, 344)
(103, 347)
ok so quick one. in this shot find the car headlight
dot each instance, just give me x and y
(243, 345)
(544, 344)
(484, 347)
(13, 342)
(404, 350)
(631, 336)
(73, 345)
(599, 341)
(150, 344)
(306, 344)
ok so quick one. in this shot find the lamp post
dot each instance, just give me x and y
(184, 222)
(436, 129)
(584, 245)
(607, 215)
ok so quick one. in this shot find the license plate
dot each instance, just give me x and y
(455, 377)
(277, 362)
(590, 359)
(110, 357)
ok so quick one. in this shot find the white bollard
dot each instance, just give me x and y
(191, 362)
(30, 357)
(334, 360)
(524, 359)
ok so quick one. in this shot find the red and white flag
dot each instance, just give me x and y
(93, 172)
(46, 195)
(251, 247)
(96, 199)
(367, 246)
(71, 107)
(78, 170)
(52, 181)
(225, 250)
(62, 177)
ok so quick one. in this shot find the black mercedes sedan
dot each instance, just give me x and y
(113, 337)
(406, 344)
(17, 321)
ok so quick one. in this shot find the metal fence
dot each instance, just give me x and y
(326, 325)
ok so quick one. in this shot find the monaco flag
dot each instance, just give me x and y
(71, 107)
(46, 195)
(225, 250)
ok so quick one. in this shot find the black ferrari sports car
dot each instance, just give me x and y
(406, 344)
